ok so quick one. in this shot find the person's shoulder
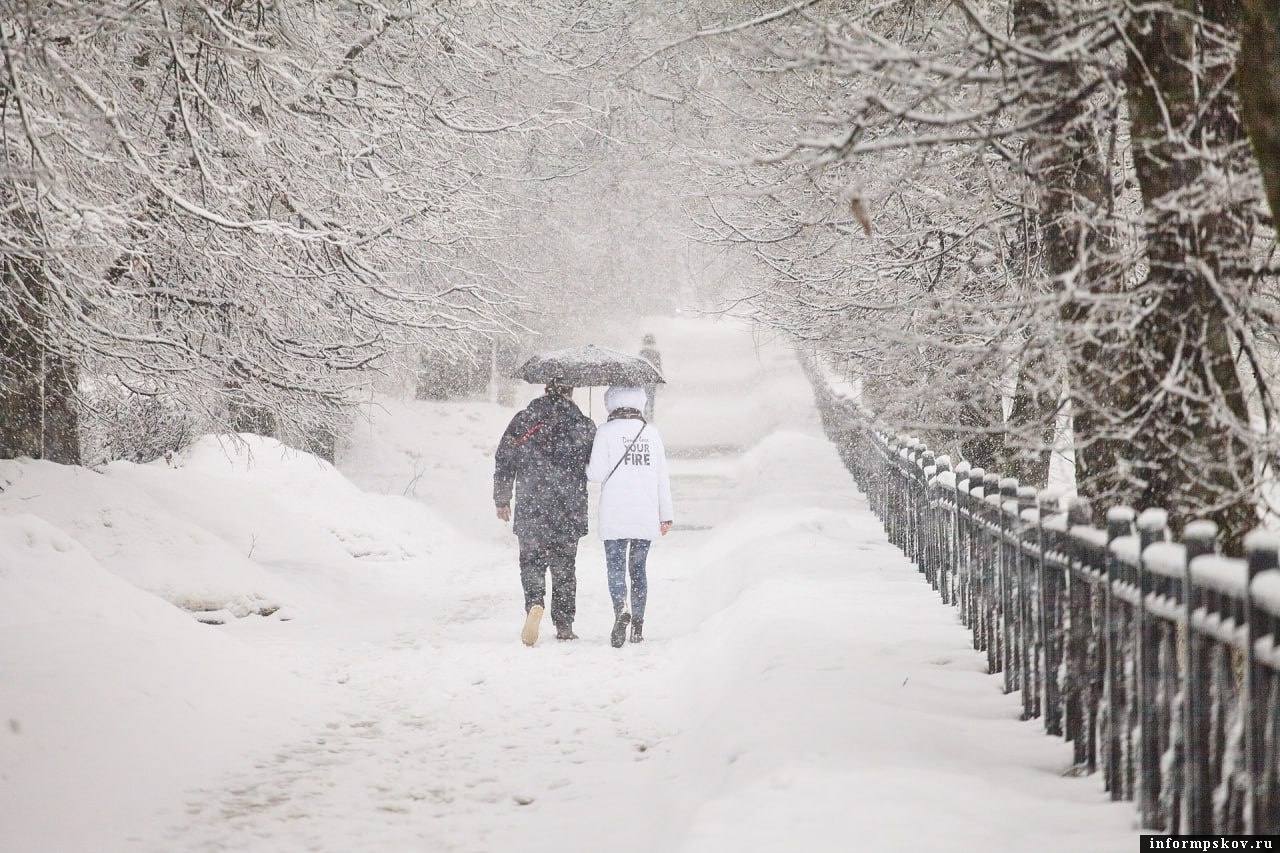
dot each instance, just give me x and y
(523, 416)
(534, 406)
(580, 417)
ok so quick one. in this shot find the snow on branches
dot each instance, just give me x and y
(1070, 237)
(244, 207)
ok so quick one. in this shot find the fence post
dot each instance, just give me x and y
(1027, 609)
(915, 483)
(884, 476)
(903, 510)
(1076, 704)
(989, 566)
(969, 582)
(958, 542)
(1152, 525)
(1008, 655)
(928, 539)
(909, 484)
(886, 498)
(1050, 618)
(898, 508)
(945, 530)
(923, 510)
(1119, 523)
(1200, 538)
(1261, 551)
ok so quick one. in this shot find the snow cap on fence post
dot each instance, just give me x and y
(1151, 526)
(990, 484)
(963, 469)
(1200, 537)
(943, 463)
(1119, 522)
(1262, 548)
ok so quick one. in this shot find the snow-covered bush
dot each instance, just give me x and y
(117, 423)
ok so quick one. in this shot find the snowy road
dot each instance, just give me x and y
(802, 688)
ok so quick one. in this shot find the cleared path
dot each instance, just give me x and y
(802, 688)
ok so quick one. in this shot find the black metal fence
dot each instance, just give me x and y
(1159, 660)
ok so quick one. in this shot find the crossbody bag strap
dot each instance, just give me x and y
(630, 444)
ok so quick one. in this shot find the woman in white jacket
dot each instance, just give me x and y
(630, 462)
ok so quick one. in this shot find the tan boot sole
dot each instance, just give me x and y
(532, 623)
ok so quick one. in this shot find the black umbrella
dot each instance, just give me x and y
(589, 365)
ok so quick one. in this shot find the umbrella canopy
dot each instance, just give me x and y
(589, 365)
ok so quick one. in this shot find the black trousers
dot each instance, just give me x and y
(559, 557)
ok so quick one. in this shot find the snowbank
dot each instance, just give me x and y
(111, 700)
(141, 537)
(301, 509)
(210, 531)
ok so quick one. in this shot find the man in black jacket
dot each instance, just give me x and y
(544, 454)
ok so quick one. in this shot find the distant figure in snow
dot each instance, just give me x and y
(629, 461)
(650, 353)
(544, 453)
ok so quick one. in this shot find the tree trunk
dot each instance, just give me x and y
(1068, 172)
(1258, 81)
(37, 385)
(1188, 456)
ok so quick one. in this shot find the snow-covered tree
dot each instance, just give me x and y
(1008, 213)
(243, 207)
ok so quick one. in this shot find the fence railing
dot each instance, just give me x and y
(1159, 660)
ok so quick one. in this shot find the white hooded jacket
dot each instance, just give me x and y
(637, 496)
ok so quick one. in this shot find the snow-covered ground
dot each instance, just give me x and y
(801, 687)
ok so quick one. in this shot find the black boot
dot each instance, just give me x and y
(619, 635)
(637, 630)
(565, 632)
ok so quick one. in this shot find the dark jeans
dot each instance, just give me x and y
(621, 555)
(559, 557)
